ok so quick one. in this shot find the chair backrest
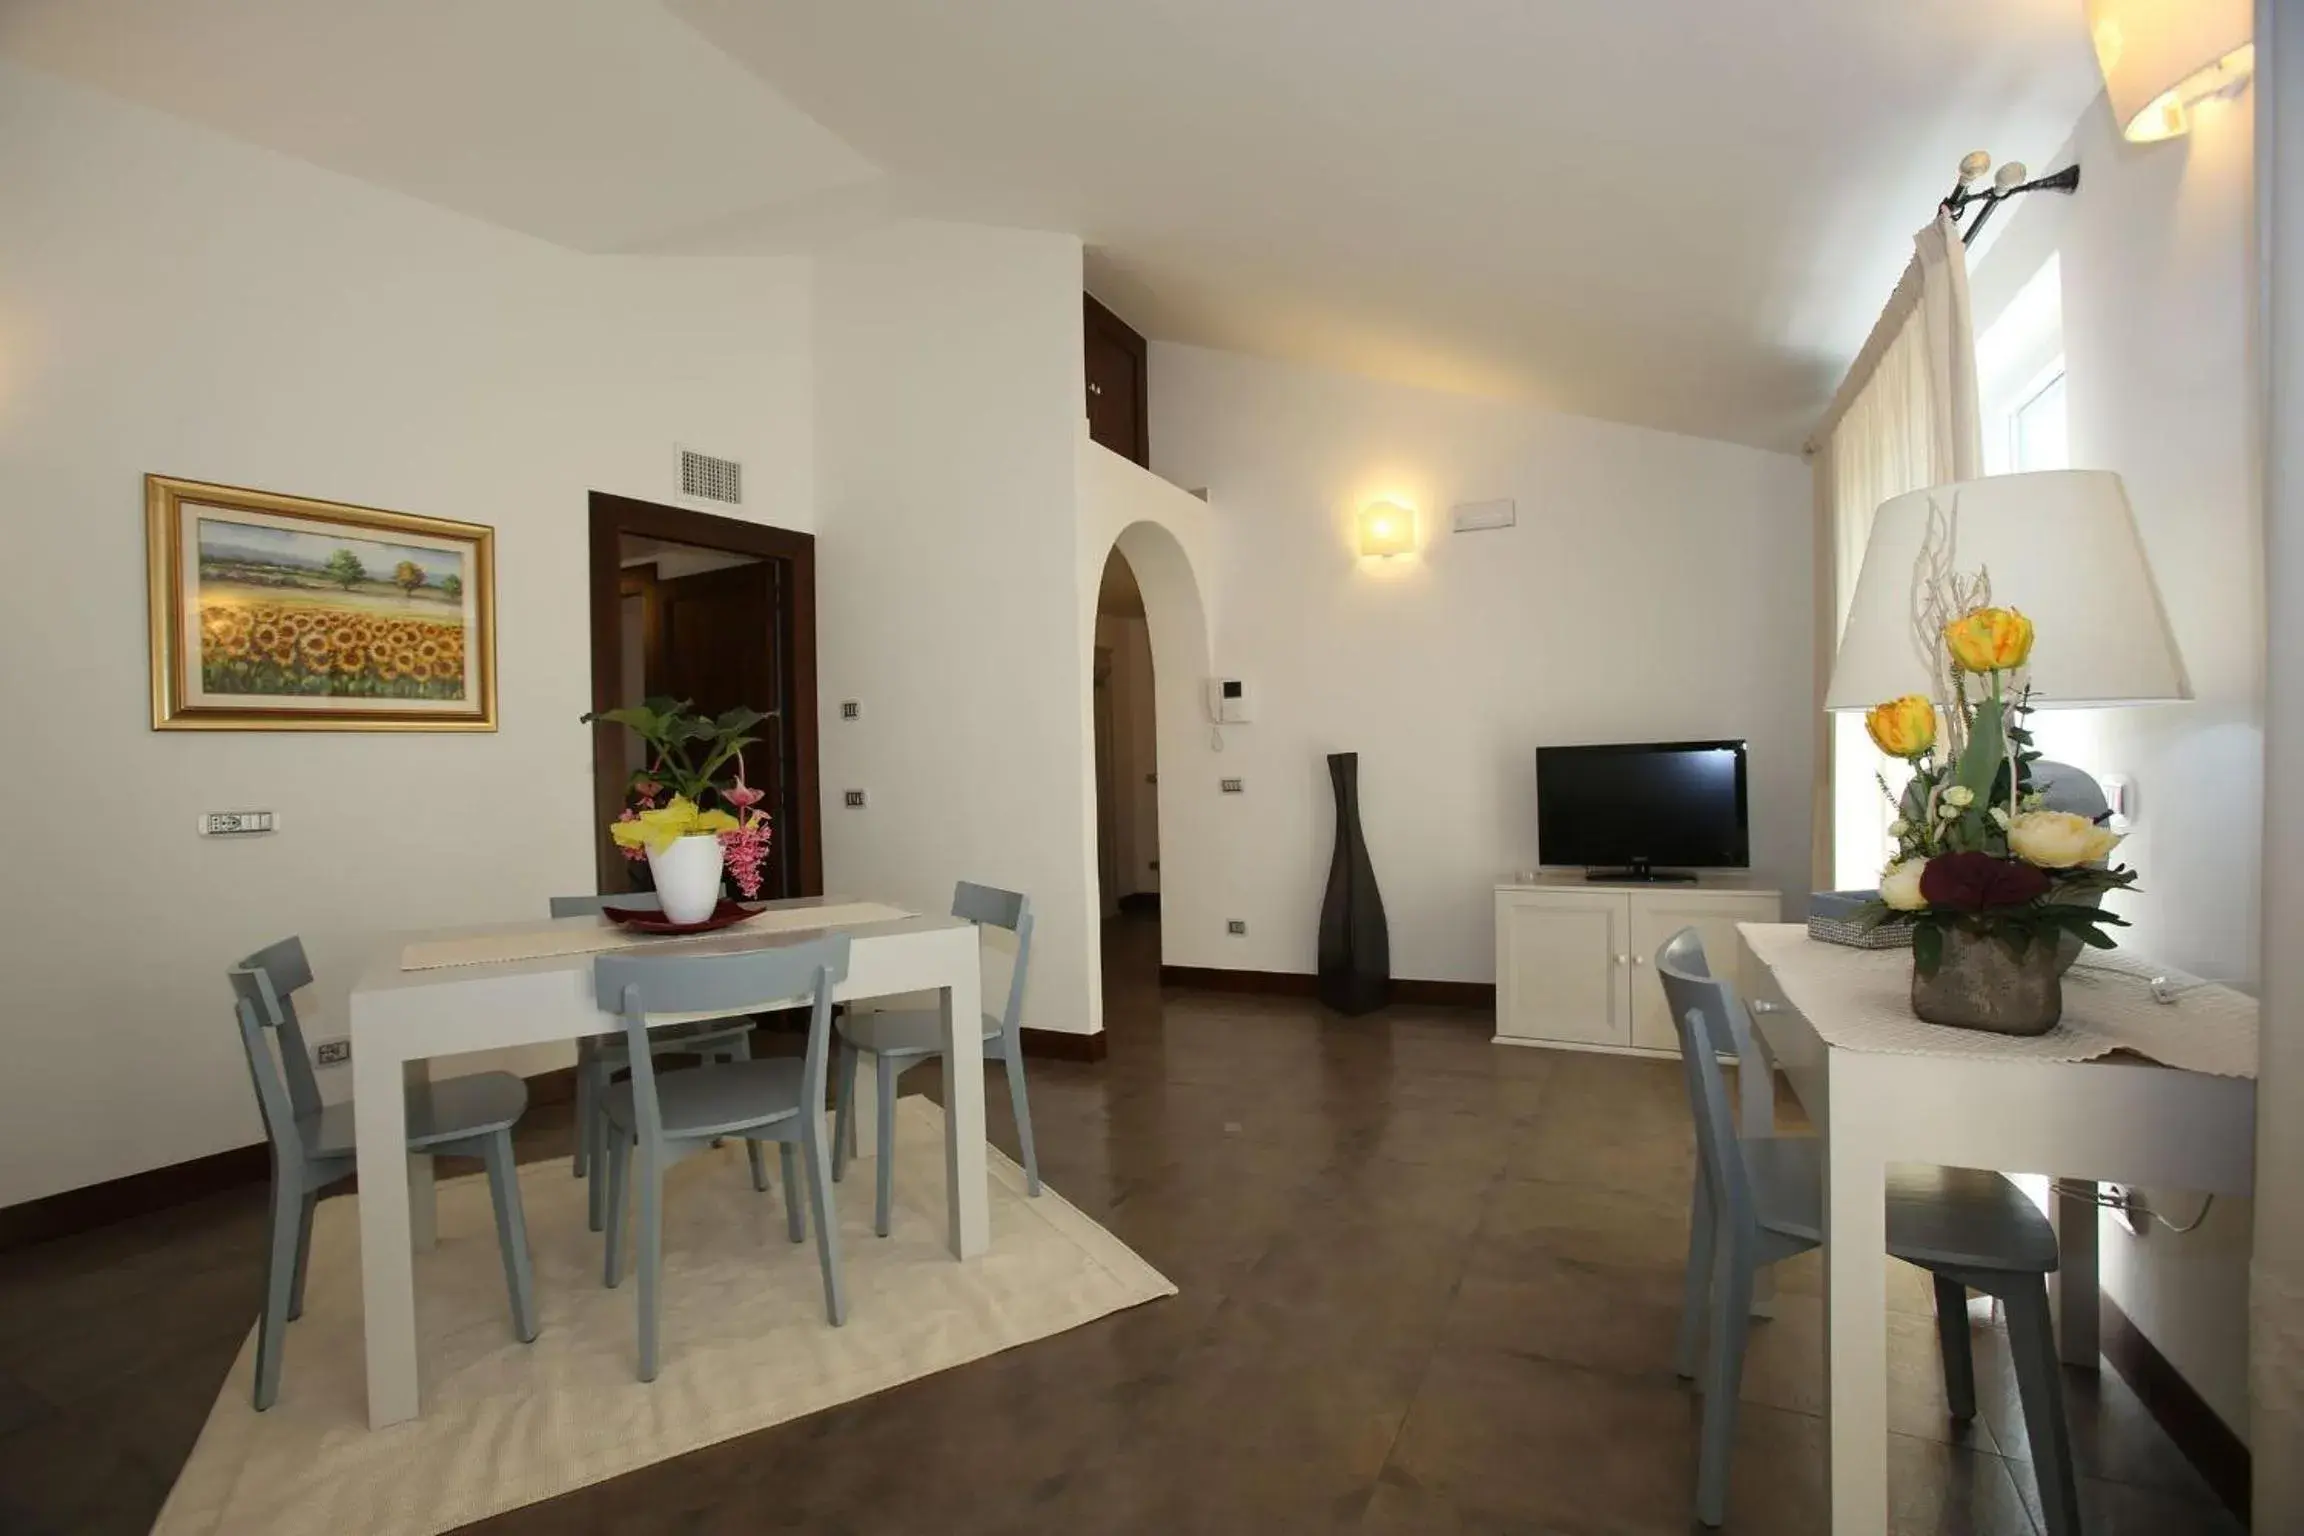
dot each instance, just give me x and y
(1711, 1022)
(990, 907)
(637, 985)
(589, 906)
(263, 990)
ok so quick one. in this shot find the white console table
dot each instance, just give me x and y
(1574, 957)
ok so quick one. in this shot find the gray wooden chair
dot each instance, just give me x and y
(312, 1147)
(599, 1059)
(1760, 1200)
(773, 1099)
(901, 1039)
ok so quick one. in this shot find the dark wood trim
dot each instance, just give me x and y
(2206, 1441)
(137, 1194)
(1446, 994)
(611, 518)
(1062, 1044)
(1101, 320)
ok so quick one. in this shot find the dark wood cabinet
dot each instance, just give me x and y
(1114, 368)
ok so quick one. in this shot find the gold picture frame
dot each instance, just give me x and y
(281, 613)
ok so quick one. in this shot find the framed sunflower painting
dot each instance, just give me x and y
(277, 613)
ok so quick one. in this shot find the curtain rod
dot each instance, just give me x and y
(2008, 183)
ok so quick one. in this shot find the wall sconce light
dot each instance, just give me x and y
(2160, 57)
(1387, 529)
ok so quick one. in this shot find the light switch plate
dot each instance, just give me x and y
(1236, 927)
(854, 799)
(851, 709)
(1231, 786)
(234, 823)
(332, 1053)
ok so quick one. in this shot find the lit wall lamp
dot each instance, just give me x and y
(2161, 57)
(1387, 529)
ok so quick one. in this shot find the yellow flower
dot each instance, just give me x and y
(1990, 639)
(2059, 839)
(658, 829)
(1904, 727)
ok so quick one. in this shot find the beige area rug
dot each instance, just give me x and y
(745, 1343)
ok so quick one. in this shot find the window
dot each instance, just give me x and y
(2036, 427)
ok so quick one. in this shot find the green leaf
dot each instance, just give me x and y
(1987, 751)
(1927, 948)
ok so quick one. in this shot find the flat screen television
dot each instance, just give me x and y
(1643, 810)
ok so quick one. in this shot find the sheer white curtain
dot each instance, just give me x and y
(1905, 418)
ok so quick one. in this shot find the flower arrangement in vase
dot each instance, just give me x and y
(1991, 882)
(680, 817)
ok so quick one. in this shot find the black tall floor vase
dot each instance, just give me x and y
(1355, 944)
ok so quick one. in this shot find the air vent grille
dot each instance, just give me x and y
(711, 479)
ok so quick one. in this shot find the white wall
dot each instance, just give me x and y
(949, 399)
(173, 301)
(2153, 253)
(1656, 587)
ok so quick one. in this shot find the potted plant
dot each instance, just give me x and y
(689, 825)
(1991, 883)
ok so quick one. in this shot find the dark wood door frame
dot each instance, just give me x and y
(612, 517)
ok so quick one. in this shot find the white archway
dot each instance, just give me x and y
(1167, 537)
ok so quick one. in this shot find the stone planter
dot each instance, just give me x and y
(1981, 983)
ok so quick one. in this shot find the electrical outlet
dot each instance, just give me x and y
(851, 709)
(333, 1053)
(1236, 927)
(1232, 786)
(234, 823)
(853, 799)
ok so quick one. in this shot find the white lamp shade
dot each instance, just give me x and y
(2061, 546)
(2161, 56)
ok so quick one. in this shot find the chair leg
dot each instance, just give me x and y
(651, 1258)
(795, 1215)
(819, 1160)
(1723, 1379)
(279, 1281)
(759, 1161)
(1953, 1342)
(512, 1234)
(2040, 1384)
(1696, 1288)
(619, 1158)
(303, 1253)
(594, 1132)
(1023, 1109)
(844, 1112)
(884, 1176)
(582, 1161)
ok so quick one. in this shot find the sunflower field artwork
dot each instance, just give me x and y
(276, 612)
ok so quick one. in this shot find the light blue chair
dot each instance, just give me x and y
(599, 1059)
(312, 1147)
(901, 1039)
(659, 1120)
(1760, 1200)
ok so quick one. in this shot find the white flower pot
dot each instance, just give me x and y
(688, 877)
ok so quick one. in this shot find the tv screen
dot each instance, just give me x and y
(1656, 804)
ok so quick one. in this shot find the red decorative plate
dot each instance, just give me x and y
(647, 920)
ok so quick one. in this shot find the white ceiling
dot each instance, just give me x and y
(1681, 213)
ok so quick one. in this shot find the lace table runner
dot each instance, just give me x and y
(1861, 1000)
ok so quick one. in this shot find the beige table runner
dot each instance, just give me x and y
(1861, 999)
(585, 936)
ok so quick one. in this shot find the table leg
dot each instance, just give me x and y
(967, 1193)
(423, 1202)
(1855, 1312)
(387, 1270)
(2073, 1294)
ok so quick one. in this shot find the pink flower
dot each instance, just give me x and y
(746, 851)
(743, 796)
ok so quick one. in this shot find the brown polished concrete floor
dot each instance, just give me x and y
(1429, 1286)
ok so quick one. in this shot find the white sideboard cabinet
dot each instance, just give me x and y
(1575, 959)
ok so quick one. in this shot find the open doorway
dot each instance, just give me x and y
(722, 613)
(1127, 784)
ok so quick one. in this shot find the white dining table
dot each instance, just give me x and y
(1882, 1087)
(403, 1019)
